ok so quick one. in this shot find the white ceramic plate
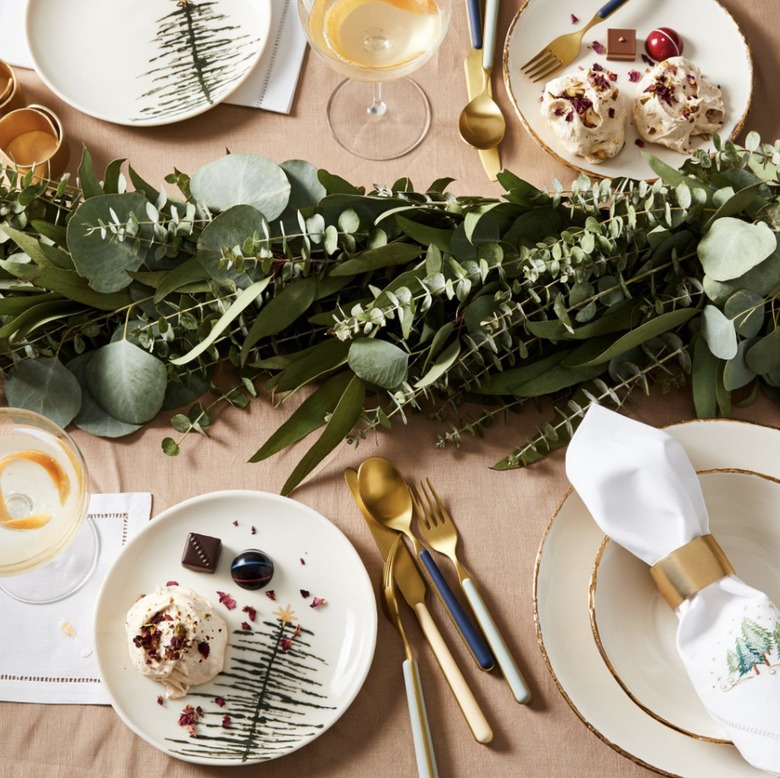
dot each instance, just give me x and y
(711, 39)
(146, 62)
(563, 572)
(636, 629)
(277, 701)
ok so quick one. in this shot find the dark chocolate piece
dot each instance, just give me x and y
(252, 569)
(621, 44)
(201, 553)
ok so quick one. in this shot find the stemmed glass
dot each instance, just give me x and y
(43, 503)
(377, 113)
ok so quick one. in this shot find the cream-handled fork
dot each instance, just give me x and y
(421, 733)
(439, 531)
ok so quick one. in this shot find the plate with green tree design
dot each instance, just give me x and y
(299, 649)
(146, 63)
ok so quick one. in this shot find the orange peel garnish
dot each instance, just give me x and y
(58, 476)
(28, 522)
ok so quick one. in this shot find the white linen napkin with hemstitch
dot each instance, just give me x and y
(270, 86)
(642, 491)
(48, 654)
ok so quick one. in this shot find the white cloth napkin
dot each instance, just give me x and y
(39, 660)
(270, 86)
(642, 491)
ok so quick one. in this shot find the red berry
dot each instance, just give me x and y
(664, 42)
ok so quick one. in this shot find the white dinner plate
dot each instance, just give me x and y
(146, 62)
(563, 572)
(635, 628)
(711, 40)
(278, 697)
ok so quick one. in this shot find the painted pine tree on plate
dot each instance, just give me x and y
(200, 55)
(269, 696)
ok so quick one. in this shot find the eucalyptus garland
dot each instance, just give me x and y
(119, 300)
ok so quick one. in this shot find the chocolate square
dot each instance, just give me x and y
(201, 553)
(621, 44)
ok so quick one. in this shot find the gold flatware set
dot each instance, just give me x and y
(388, 505)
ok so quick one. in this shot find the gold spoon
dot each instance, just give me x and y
(387, 498)
(482, 125)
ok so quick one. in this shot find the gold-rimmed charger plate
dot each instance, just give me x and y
(634, 628)
(564, 567)
(712, 41)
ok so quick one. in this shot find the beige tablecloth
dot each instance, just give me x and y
(502, 516)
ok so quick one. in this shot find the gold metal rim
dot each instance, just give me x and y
(738, 127)
(537, 622)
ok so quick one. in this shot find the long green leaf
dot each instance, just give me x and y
(240, 304)
(703, 380)
(344, 417)
(309, 416)
(90, 185)
(190, 271)
(374, 259)
(324, 358)
(440, 365)
(428, 236)
(280, 312)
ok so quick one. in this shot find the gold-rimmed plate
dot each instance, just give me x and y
(564, 567)
(712, 40)
(634, 628)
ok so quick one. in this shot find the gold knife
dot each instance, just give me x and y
(413, 589)
(490, 158)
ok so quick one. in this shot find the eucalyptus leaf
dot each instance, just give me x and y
(746, 310)
(127, 382)
(373, 259)
(719, 332)
(440, 365)
(732, 247)
(704, 376)
(105, 263)
(764, 355)
(242, 179)
(46, 386)
(736, 372)
(378, 362)
(92, 418)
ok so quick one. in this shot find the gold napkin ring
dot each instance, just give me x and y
(31, 138)
(11, 96)
(688, 569)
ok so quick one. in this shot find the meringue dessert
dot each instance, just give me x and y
(586, 111)
(675, 104)
(176, 638)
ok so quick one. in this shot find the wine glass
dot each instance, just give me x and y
(43, 503)
(376, 113)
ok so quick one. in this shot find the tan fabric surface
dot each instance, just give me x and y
(502, 517)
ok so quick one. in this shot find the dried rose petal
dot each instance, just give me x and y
(253, 530)
(297, 631)
(317, 601)
(189, 718)
(634, 75)
(226, 721)
(250, 612)
(285, 644)
(599, 48)
(271, 594)
(574, 19)
(235, 522)
(220, 701)
(303, 561)
(226, 600)
(160, 699)
(245, 626)
(595, 66)
(172, 583)
(639, 142)
(305, 594)
(204, 649)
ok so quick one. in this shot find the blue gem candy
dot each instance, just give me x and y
(252, 569)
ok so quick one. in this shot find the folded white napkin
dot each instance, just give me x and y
(642, 490)
(47, 654)
(271, 84)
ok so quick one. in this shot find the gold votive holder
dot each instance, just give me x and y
(689, 569)
(31, 138)
(11, 95)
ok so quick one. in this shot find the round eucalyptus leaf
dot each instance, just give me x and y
(105, 260)
(46, 386)
(764, 356)
(378, 362)
(719, 332)
(733, 246)
(736, 372)
(186, 390)
(129, 383)
(306, 189)
(746, 310)
(242, 179)
(92, 418)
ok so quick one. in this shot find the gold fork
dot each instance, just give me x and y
(565, 48)
(441, 534)
(421, 733)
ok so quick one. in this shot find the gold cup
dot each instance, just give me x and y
(31, 138)
(11, 96)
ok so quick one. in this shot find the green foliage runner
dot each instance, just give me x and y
(117, 304)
